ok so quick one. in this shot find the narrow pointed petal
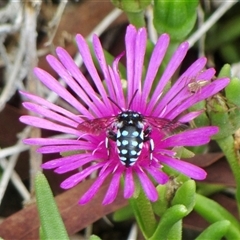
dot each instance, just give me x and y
(86, 55)
(193, 137)
(186, 168)
(129, 183)
(54, 85)
(113, 188)
(147, 185)
(172, 66)
(94, 188)
(158, 175)
(78, 177)
(45, 124)
(154, 64)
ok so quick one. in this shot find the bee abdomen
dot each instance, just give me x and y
(129, 144)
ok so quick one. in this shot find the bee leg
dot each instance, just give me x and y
(151, 145)
(147, 132)
(110, 135)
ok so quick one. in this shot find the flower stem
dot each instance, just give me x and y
(227, 146)
(136, 18)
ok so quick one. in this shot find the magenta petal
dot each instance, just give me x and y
(186, 168)
(66, 148)
(76, 164)
(54, 85)
(49, 114)
(147, 185)
(78, 177)
(69, 64)
(193, 137)
(61, 161)
(172, 66)
(113, 188)
(51, 106)
(130, 38)
(50, 141)
(129, 184)
(158, 175)
(45, 124)
(94, 188)
(87, 58)
(154, 64)
(190, 116)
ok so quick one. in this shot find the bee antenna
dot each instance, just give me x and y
(131, 101)
(115, 103)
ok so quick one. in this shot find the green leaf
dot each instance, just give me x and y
(144, 214)
(123, 214)
(52, 226)
(185, 195)
(94, 237)
(227, 145)
(215, 231)
(131, 5)
(162, 204)
(175, 17)
(175, 232)
(233, 90)
(169, 218)
(213, 212)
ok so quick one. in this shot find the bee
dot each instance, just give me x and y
(129, 130)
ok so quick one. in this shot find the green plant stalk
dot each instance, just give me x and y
(214, 212)
(136, 18)
(227, 146)
(215, 231)
(144, 214)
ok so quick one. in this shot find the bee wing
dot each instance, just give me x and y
(166, 125)
(96, 126)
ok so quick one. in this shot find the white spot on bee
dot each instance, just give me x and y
(151, 144)
(122, 158)
(119, 125)
(124, 133)
(132, 160)
(140, 124)
(118, 134)
(136, 115)
(118, 143)
(125, 142)
(134, 143)
(151, 148)
(135, 133)
(106, 143)
(140, 145)
(124, 151)
(133, 152)
(141, 135)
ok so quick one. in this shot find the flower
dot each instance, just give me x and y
(89, 151)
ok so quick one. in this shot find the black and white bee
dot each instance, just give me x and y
(130, 130)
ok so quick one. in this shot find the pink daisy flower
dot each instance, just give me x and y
(125, 135)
